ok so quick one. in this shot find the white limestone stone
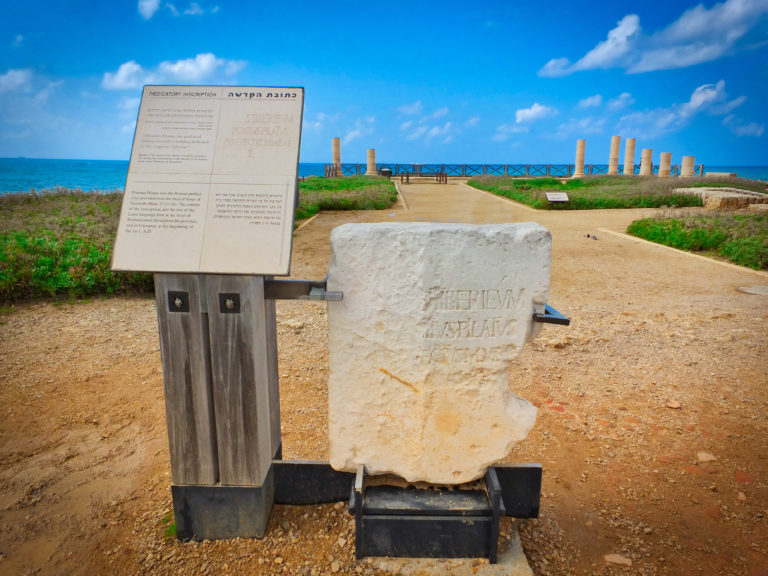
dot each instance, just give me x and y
(420, 346)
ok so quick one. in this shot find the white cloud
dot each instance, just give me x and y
(194, 9)
(621, 101)
(728, 107)
(320, 121)
(439, 113)
(591, 101)
(129, 128)
(147, 8)
(18, 41)
(535, 112)
(472, 121)
(426, 128)
(702, 97)
(610, 51)
(129, 75)
(16, 80)
(26, 115)
(191, 69)
(362, 128)
(710, 98)
(504, 131)
(556, 67)
(418, 133)
(699, 35)
(203, 67)
(129, 104)
(735, 126)
(411, 109)
(444, 133)
(581, 126)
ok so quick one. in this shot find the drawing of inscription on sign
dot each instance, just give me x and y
(212, 181)
(421, 344)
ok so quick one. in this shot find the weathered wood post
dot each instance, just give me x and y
(222, 406)
(214, 223)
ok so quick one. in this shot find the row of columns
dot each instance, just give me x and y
(646, 160)
(371, 158)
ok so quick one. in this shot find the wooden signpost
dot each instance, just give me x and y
(208, 207)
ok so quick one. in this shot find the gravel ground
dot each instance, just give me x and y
(651, 425)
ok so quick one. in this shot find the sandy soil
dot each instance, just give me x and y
(651, 425)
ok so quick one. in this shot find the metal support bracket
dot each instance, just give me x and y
(551, 316)
(299, 290)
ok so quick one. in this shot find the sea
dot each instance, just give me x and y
(26, 174)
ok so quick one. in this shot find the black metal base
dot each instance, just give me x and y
(309, 482)
(432, 522)
(221, 512)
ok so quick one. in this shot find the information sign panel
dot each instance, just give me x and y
(557, 196)
(211, 184)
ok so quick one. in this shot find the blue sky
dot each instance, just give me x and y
(496, 82)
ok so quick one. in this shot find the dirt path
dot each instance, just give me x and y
(651, 427)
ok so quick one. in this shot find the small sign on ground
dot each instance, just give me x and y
(557, 197)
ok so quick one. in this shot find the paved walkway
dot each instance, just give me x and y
(603, 264)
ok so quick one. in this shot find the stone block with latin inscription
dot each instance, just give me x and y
(421, 344)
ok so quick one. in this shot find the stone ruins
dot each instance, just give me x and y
(420, 346)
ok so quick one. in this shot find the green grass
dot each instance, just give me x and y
(350, 193)
(170, 527)
(741, 239)
(606, 192)
(58, 243)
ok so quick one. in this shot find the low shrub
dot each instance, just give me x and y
(741, 239)
(606, 192)
(58, 243)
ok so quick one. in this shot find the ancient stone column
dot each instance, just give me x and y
(665, 164)
(689, 163)
(613, 158)
(371, 169)
(581, 146)
(646, 162)
(629, 157)
(337, 155)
